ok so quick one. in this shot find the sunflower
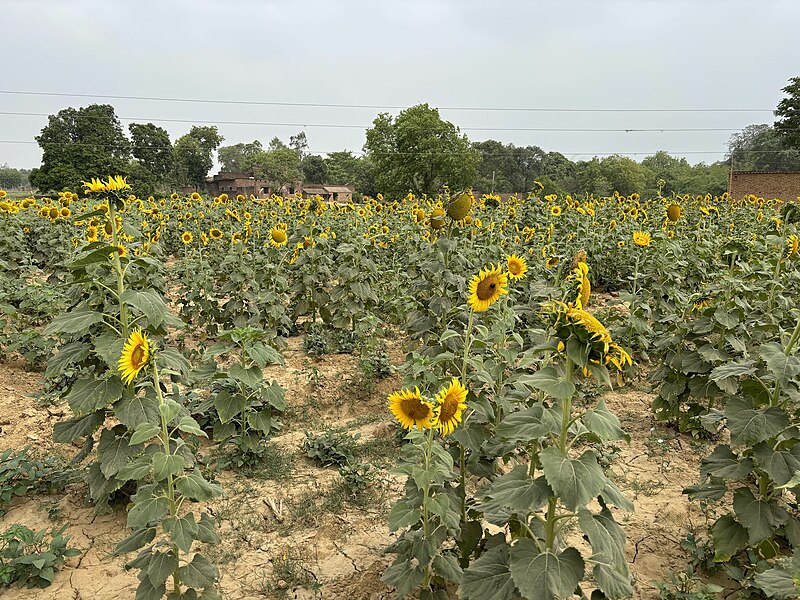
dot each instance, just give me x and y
(792, 245)
(517, 266)
(135, 355)
(236, 238)
(278, 237)
(437, 218)
(3, 194)
(215, 233)
(551, 262)
(65, 212)
(674, 212)
(451, 402)
(583, 288)
(486, 287)
(117, 183)
(95, 185)
(596, 330)
(187, 237)
(556, 211)
(460, 207)
(641, 238)
(54, 213)
(410, 409)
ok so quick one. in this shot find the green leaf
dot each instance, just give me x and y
(95, 255)
(575, 482)
(604, 423)
(195, 487)
(162, 565)
(263, 355)
(147, 591)
(169, 409)
(133, 410)
(403, 576)
(489, 577)
(607, 538)
(545, 575)
(723, 463)
(779, 465)
(729, 537)
(529, 424)
(726, 376)
(183, 531)
(67, 355)
(612, 495)
(250, 377)
(784, 368)
(136, 540)
(759, 517)
(782, 581)
(66, 432)
(143, 433)
(198, 573)
(206, 529)
(113, 453)
(517, 491)
(165, 465)
(149, 508)
(108, 346)
(89, 395)
(403, 515)
(171, 359)
(550, 382)
(77, 320)
(749, 426)
(447, 566)
(188, 425)
(148, 302)
(136, 469)
(261, 421)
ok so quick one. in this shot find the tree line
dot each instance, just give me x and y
(416, 151)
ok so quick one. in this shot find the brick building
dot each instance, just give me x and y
(246, 184)
(331, 193)
(765, 184)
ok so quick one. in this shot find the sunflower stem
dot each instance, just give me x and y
(123, 308)
(425, 493)
(462, 463)
(165, 439)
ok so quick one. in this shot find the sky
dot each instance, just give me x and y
(452, 54)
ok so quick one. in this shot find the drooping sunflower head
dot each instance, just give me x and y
(187, 237)
(278, 237)
(551, 262)
(517, 266)
(459, 207)
(437, 218)
(674, 212)
(410, 409)
(451, 401)
(792, 245)
(486, 287)
(581, 286)
(135, 355)
(594, 328)
(641, 238)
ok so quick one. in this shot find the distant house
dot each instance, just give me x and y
(246, 184)
(765, 184)
(331, 193)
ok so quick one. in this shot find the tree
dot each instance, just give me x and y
(762, 148)
(12, 178)
(154, 154)
(343, 168)
(194, 154)
(314, 169)
(788, 126)
(299, 144)
(78, 144)
(237, 158)
(419, 152)
(280, 167)
(275, 144)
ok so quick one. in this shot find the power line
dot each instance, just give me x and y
(378, 106)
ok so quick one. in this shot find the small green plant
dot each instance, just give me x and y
(357, 477)
(685, 585)
(21, 474)
(31, 559)
(331, 447)
(289, 572)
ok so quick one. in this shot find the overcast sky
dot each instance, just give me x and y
(579, 54)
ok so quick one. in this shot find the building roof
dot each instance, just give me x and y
(338, 189)
(765, 173)
(314, 189)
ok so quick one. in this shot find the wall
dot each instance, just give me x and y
(785, 186)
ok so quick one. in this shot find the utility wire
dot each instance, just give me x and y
(380, 106)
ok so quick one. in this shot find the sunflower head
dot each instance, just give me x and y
(792, 245)
(581, 286)
(459, 207)
(555, 211)
(135, 355)
(410, 409)
(278, 237)
(187, 237)
(641, 238)
(674, 212)
(517, 266)
(437, 219)
(215, 233)
(450, 405)
(486, 287)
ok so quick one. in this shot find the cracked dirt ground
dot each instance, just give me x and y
(321, 546)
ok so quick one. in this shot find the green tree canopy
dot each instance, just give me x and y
(12, 178)
(237, 158)
(194, 154)
(762, 148)
(78, 144)
(154, 167)
(314, 169)
(419, 152)
(788, 125)
(280, 166)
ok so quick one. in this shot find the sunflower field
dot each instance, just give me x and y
(509, 361)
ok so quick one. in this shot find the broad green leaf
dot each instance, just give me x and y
(89, 395)
(147, 509)
(782, 581)
(206, 529)
(605, 535)
(575, 481)
(250, 376)
(187, 424)
(162, 565)
(403, 515)
(759, 517)
(183, 531)
(229, 405)
(165, 465)
(529, 424)
(779, 465)
(169, 409)
(113, 453)
(545, 575)
(67, 355)
(489, 577)
(749, 426)
(263, 355)
(783, 367)
(195, 487)
(95, 253)
(604, 424)
(76, 321)
(723, 463)
(198, 573)
(66, 432)
(614, 581)
(108, 346)
(706, 491)
(518, 491)
(261, 421)
(143, 433)
(447, 566)
(403, 576)
(147, 591)
(729, 537)
(612, 495)
(551, 383)
(138, 539)
(169, 358)
(727, 376)
(134, 410)
(148, 302)
(137, 469)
